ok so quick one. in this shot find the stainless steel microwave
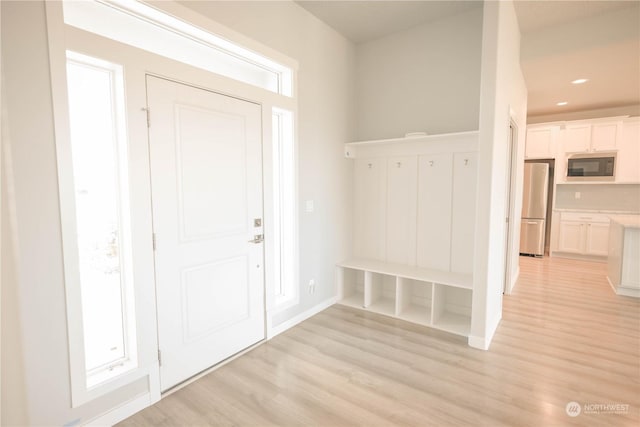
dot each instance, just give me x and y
(591, 167)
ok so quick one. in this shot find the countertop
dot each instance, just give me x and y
(627, 221)
(601, 211)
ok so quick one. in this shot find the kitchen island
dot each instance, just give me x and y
(623, 271)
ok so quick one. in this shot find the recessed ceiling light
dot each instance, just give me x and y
(560, 104)
(579, 81)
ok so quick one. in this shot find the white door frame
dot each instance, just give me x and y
(512, 159)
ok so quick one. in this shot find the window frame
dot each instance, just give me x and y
(285, 241)
(128, 360)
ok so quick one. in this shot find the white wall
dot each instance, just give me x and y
(326, 117)
(503, 96)
(35, 340)
(12, 390)
(426, 78)
(35, 347)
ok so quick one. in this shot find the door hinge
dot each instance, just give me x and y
(146, 110)
(159, 357)
(153, 239)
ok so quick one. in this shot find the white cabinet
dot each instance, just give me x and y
(401, 189)
(577, 138)
(370, 178)
(583, 233)
(463, 215)
(597, 238)
(623, 269)
(628, 158)
(604, 136)
(435, 183)
(433, 298)
(413, 229)
(541, 142)
(571, 236)
(591, 136)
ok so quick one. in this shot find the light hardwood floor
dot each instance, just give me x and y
(565, 336)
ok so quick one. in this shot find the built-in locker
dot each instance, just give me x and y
(434, 211)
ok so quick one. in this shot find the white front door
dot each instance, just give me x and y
(206, 178)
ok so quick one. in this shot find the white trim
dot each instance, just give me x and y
(514, 280)
(273, 331)
(122, 412)
(483, 343)
(624, 291)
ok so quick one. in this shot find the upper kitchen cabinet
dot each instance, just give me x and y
(541, 141)
(591, 136)
(628, 159)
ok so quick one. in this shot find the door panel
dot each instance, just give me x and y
(370, 177)
(465, 178)
(206, 178)
(434, 211)
(571, 237)
(532, 236)
(402, 183)
(535, 190)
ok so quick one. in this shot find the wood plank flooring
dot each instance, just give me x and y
(565, 336)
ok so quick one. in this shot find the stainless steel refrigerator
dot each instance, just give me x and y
(534, 208)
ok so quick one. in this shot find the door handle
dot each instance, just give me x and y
(258, 238)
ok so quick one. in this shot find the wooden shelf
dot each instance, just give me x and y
(458, 280)
(386, 306)
(454, 323)
(416, 314)
(451, 142)
(421, 138)
(355, 300)
(428, 297)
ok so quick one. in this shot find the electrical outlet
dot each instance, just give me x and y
(577, 195)
(312, 286)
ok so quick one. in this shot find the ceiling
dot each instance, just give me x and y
(362, 21)
(561, 41)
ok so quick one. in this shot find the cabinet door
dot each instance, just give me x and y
(597, 238)
(463, 213)
(571, 236)
(539, 143)
(628, 159)
(402, 182)
(577, 138)
(369, 208)
(435, 173)
(604, 136)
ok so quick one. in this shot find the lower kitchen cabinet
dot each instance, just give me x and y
(584, 234)
(434, 298)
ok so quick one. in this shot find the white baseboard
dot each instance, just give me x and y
(623, 291)
(121, 412)
(483, 343)
(276, 330)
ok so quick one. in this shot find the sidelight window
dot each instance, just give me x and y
(100, 231)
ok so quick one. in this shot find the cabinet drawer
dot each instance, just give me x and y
(584, 217)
